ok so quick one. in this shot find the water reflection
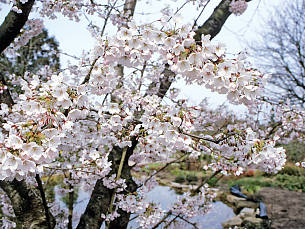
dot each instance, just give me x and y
(165, 196)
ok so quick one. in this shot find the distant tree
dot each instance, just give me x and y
(282, 52)
(40, 51)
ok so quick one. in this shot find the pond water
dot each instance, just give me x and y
(166, 196)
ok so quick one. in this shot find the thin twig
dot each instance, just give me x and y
(164, 167)
(141, 77)
(180, 8)
(207, 139)
(114, 192)
(106, 19)
(189, 222)
(69, 55)
(87, 78)
(195, 22)
(205, 181)
(169, 213)
(71, 199)
(170, 222)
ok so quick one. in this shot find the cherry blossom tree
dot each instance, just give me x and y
(96, 122)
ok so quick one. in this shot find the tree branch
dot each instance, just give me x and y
(44, 201)
(27, 206)
(211, 26)
(13, 23)
(101, 196)
(215, 22)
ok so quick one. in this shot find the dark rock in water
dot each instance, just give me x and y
(235, 190)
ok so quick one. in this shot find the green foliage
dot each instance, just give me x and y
(191, 177)
(39, 52)
(213, 181)
(295, 151)
(251, 184)
(180, 179)
(292, 170)
(178, 172)
(65, 198)
(291, 178)
(152, 167)
(155, 166)
(51, 182)
(293, 183)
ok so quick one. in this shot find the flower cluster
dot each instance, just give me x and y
(190, 206)
(2, 88)
(203, 64)
(61, 127)
(33, 27)
(33, 130)
(7, 212)
(238, 7)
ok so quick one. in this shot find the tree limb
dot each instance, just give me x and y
(101, 196)
(211, 26)
(13, 23)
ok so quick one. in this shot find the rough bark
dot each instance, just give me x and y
(27, 206)
(12, 24)
(129, 8)
(101, 196)
(215, 22)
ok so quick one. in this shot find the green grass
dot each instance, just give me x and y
(251, 184)
(179, 172)
(151, 167)
(291, 178)
(180, 179)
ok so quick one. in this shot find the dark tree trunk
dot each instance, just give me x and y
(13, 23)
(27, 206)
(101, 196)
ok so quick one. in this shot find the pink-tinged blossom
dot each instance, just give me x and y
(14, 141)
(58, 124)
(238, 7)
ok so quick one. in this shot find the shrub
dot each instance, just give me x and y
(180, 179)
(213, 181)
(177, 172)
(293, 183)
(295, 151)
(292, 170)
(191, 177)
